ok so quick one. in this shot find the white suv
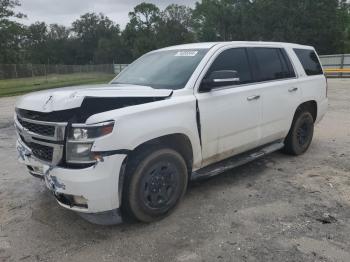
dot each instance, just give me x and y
(129, 148)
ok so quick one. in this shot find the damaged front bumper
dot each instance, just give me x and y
(92, 191)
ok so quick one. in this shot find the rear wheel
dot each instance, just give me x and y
(156, 180)
(300, 135)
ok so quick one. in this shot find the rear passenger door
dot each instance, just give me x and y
(230, 116)
(279, 91)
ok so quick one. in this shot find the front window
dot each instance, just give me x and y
(162, 69)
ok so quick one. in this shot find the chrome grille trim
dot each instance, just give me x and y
(60, 129)
(27, 137)
(56, 155)
(43, 130)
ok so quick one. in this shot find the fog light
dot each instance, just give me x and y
(80, 201)
(79, 152)
(38, 169)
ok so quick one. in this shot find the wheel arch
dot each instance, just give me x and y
(181, 143)
(290, 144)
(310, 106)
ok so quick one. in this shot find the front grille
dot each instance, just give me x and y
(43, 130)
(44, 139)
(42, 152)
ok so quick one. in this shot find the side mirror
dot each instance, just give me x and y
(218, 79)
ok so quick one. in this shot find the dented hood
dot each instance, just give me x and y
(72, 97)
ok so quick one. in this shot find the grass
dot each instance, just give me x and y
(11, 87)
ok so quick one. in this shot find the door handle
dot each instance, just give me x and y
(293, 89)
(251, 98)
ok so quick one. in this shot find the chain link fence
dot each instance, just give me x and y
(119, 67)
(10, 71)
(336, 65)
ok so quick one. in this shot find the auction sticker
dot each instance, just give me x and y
(186, 53)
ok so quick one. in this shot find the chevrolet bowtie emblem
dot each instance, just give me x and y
(48, 100)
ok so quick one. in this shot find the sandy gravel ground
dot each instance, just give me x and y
(278, 208)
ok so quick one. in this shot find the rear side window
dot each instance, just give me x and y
(310, 62)
(235, 59)
(273, 64)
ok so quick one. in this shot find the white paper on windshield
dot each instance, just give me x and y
(186, 53)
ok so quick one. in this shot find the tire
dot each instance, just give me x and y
(300, 135)
(156, 180)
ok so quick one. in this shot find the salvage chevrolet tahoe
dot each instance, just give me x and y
(127, 149)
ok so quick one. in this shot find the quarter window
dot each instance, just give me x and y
(233, 59)
(310, 62)
(273, 64)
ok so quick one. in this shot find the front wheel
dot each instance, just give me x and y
(156, 180)
(300, 135)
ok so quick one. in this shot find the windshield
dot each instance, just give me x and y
(163, 69)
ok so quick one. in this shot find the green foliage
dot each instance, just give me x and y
(312, 22)
(320, 23)
(149, 28)
(175, 26)
(11, 33)
(220, 20)
(90, 31)
(140, 34)
(36, 39)
(94, 38)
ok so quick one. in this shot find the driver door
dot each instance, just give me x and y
(230, 115)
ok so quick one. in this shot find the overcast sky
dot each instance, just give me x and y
(66, 11)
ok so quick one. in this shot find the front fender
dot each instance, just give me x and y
(139, 124)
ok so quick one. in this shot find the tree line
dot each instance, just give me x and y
(95, 38)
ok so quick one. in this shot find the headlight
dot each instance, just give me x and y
(81, 139)
(84, 132)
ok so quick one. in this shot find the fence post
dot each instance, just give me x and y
(16, 74)
(45, 72)
(342, 64)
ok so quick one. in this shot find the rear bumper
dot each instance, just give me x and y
(98, 185)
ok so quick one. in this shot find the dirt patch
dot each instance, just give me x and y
(278, 208)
